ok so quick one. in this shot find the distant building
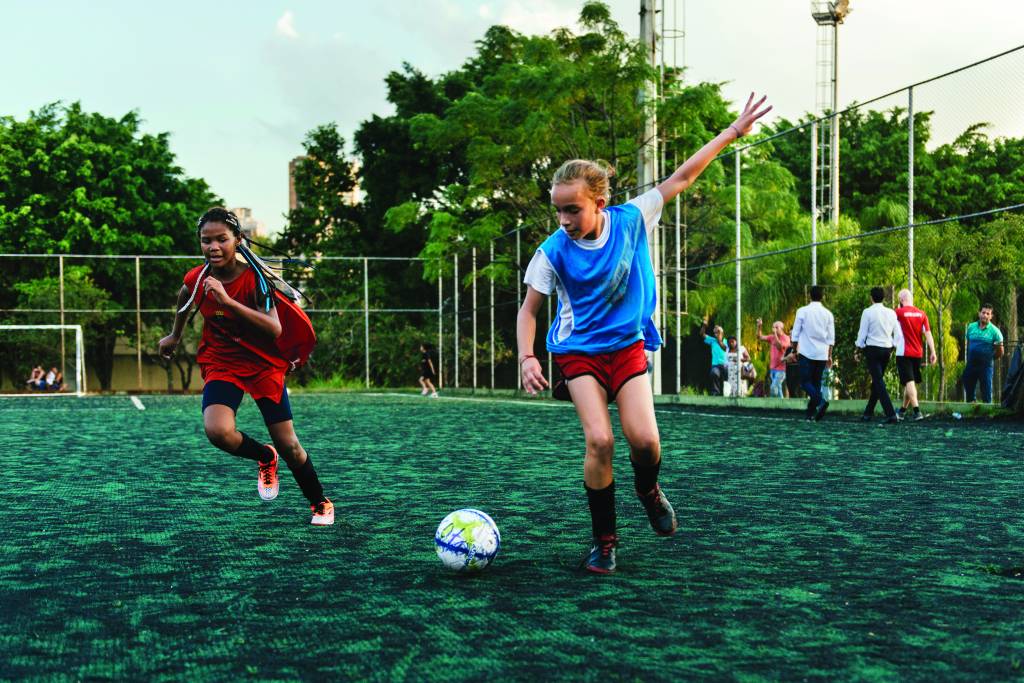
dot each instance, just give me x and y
(251, 228)
(293, 200)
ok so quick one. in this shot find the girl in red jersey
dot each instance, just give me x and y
(241, 351)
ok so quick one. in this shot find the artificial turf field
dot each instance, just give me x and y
(133, 549)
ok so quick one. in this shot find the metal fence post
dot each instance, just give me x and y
(366, 317)
(739, 280)
(474, 319)
(814, 203)
(440, 328)
(455, 258)
(910, 189)
(138, 322)
(491, 278)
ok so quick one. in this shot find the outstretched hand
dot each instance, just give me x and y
(744, 124)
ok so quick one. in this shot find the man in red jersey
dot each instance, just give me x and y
(916, 330)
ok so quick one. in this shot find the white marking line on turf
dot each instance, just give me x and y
(534, 404)
(138, 403)
(724, 415)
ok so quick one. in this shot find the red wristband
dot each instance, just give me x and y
(526, 357)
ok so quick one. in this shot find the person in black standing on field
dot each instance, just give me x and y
(879, 334)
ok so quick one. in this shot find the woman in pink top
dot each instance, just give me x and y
(779, 342)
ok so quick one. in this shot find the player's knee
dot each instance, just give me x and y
(289, 448)
(601, 446)
(220, 436)
(646, 448)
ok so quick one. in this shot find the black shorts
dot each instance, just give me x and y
(909, 369)
(219, 392)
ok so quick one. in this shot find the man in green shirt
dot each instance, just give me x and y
(984, 345)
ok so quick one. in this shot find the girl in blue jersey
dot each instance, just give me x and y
(599, 266)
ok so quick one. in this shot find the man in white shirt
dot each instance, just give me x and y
(879, 334)
(814, 335)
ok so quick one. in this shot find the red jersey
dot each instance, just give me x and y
(914, 323)
(230, 350)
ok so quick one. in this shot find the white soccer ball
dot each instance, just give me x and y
(467, 540)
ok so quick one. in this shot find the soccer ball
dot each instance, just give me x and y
(467, 540)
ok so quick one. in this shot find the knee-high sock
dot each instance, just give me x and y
(645, 477)
(602, 509)
(253, 450)
(305, 477)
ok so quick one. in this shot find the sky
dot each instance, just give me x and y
(239, 84)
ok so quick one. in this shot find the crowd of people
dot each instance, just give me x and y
(806, 352)
(43, 380)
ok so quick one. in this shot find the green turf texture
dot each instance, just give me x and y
(134, 549)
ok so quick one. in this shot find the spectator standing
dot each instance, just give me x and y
(778, 344)
(814, 335)
(719, 370)
(879, 334)
(984, 345)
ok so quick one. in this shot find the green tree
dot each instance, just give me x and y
(78, 182)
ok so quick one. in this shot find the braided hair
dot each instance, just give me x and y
(266, 279)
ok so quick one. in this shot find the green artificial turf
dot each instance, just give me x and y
(134, 549)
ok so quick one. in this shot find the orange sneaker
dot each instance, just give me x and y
(323, 513)
(266, 481)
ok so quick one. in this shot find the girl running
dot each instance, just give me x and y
(242, 349)
(600, 267)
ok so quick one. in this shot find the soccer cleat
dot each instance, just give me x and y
(424, 392)
(820, 412)
(918, 416)
(901, 413)
(323, 513)
(601, 559)
(867, 418)
(659, 511)
(434, 395)
(266, 480)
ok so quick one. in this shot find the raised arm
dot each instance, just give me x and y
(695, 165)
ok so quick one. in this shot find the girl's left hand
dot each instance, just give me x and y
(215, 288)
(745, 123)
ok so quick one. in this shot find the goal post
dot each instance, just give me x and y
(74, 381)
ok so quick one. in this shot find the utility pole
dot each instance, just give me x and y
(647, 157)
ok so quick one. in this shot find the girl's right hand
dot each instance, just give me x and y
(167, 346)
(533, 377)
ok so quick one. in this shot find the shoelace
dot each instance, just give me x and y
(267, 472)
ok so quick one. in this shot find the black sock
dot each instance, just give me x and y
(253, 450)
(602, 509)
(917, 409)
(305, 477)
(645, 477)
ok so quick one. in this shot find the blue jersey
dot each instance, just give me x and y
(610, 292)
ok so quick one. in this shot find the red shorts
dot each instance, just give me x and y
(267, 383)
(611, 370)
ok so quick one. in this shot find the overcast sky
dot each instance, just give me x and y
(238, 84)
